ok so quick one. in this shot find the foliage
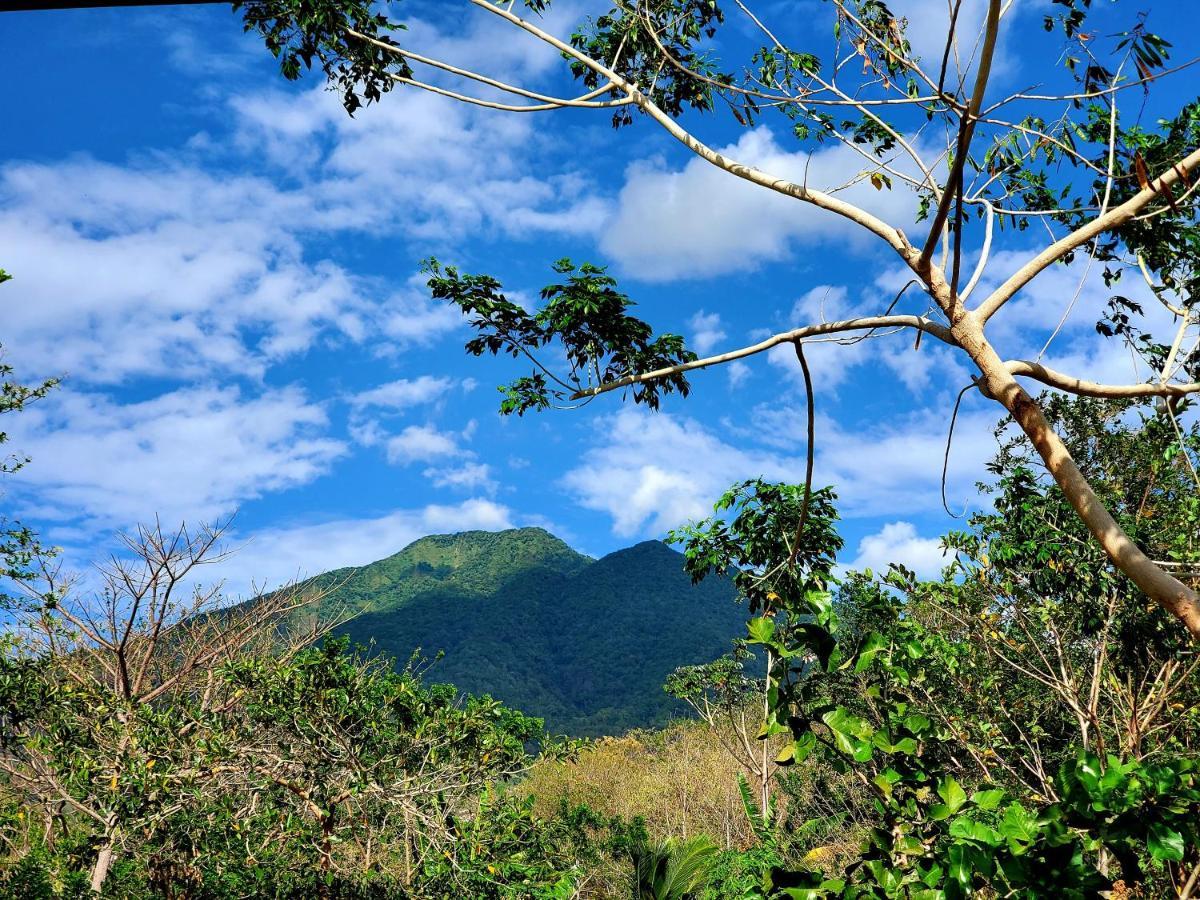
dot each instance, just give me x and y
(301, 32)
(539, 626)
(320, 774)
(678, 781)
(718, 688)
(19, 547)
(1086, 770)
(336, 741)
(585, 313)
(672, 870)
(635, 44)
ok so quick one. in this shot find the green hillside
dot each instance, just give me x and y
(518, 614)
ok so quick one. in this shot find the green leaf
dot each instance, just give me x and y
(1164, 842)
(874, 645)
(989, 799)
(917, 723)
(761, 630)
(952, 794)
(969, 829)
(1019, 827)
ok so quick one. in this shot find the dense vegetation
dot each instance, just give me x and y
(1027, 725)
(984, 733)
(519, 615)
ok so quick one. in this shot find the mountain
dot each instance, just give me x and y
(584, 643)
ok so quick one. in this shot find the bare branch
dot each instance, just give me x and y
(875, 225)
(1092, 389)
(966, 131)
(1114, 218)
(864, 323)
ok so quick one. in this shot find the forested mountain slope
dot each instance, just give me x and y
(584, 643)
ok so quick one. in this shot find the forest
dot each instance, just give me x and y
(1024, 723)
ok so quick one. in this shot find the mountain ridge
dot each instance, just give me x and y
(584, 643)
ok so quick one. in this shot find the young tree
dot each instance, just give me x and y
(731, 704)
(780, 541)
(18, 544)
(1063, 159)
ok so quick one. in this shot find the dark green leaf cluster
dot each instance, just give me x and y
(721, 684)
(762, 532)
(300, 33)
(585, 315)
(385, 715)
(1071, 19)
(633, 45)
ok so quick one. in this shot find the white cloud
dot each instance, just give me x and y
(438, 168)
(273, 556)
(422, 443)
(832, 363)
(700, 221)
(170, 271)
(929, 22)
(651, 473)
(168, 266)
(706, 331)
(739, 372)
(403, 393)
(192, 454)
(892, 467)
(468, 476)
(898, 542)
(654, 472)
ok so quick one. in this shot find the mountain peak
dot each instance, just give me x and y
(656, 550)
(520, 615)
(521, 547)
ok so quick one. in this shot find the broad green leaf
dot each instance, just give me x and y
(1164, 842)
(761, 630)
(1019, 827)
(989, 799)
(952, 794)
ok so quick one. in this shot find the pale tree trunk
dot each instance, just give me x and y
(765, 771)
(1170, 593)
(104, 857)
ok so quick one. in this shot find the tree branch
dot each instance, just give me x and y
(864, 323)
(966, 131)
(872, 223)
(1074, 385)
(1114, 218)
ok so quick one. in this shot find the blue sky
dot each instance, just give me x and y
(224, 267)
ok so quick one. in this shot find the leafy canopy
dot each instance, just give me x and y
(585, 315)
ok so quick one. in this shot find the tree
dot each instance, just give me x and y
(730, 703)
(110, 697)
(366, 759)
(1115, 193)
(780, 542)
(1012, 737)
(18, 544)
